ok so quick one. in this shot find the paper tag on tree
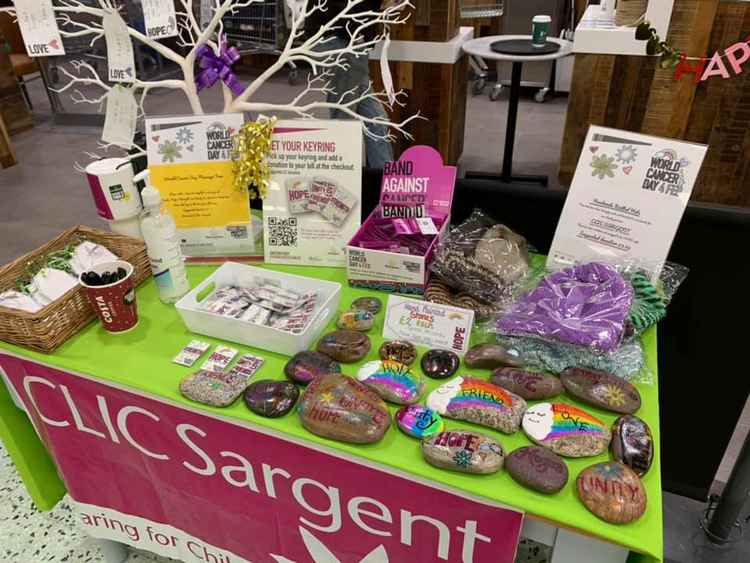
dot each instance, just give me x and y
(160, 18)
(122, 113)
(206, 13)
(119, 48)
(385, 71)
(36, 18)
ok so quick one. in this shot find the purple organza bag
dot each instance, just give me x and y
(586, 305)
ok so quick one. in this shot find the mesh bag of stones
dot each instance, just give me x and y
(484, 259)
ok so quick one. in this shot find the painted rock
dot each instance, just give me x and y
(632, 443)
(345, 346)
(306, 366)
(439, 364)
(475, 400)
(356, 319)
(612, 491)
(566, 430)
(602, 390)
(537, 468)
(393, 381)
(271, 398)
(490, 356)
(371, 304)
(527, 384)
(459, 450)
(418, 421)
(341, 408)
(398, 351)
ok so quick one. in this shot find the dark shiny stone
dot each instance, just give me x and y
(490, 356)
(271, 398)
(632, 443)
(530, 385)
(440, 364)
(345, 346)
(398, 351)
(307, 365)
(371, 304)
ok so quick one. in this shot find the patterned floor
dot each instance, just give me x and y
(27, 535)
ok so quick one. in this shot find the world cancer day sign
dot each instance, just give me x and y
(201, 488)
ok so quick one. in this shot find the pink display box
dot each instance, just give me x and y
(418, 186)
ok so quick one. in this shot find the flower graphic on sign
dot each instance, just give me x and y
(184, 135)
(626, 154)
(321, 554)
(169, 151)
(603, 165)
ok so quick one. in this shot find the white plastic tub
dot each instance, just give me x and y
(201, 321)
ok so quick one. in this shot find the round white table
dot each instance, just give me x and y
(481, 48)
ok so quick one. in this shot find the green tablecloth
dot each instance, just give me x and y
(141, 360)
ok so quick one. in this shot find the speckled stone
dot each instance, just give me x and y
(460, 450)
(566, 430)
(356, 319)
(398, 351)
(602, 390)
(345, 346)
(490, 356)
(305, 366)
(418, 421)
(612, 491)
(478, 401)
(632, 443)
(393, 381)
(440, 364)
(530, 385)
(371, 304)
(341, 408)
(271, 398)
(537, 468)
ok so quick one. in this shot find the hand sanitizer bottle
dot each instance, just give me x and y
(160, 233)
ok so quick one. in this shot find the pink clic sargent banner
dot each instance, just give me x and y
(199, 488)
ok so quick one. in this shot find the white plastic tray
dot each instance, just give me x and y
(201, 321)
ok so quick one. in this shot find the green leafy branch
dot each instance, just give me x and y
(669, 57)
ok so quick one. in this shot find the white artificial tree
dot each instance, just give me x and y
(314, 48)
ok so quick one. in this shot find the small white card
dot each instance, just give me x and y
(120, 60)
(426, 226)
(626, 200)
(36, 18)
(160, 18)
(121, 116)
(428, 324)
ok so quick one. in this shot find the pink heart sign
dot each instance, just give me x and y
(593, 149)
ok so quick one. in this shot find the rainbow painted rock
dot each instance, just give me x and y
(393, 381)
(341, 408)
(612, 491)
(602, 390)
(418, 421)
(461, 450)
(566, 430)
(475, 400)
(356, 319)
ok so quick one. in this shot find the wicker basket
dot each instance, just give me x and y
(628, 11)
(47, 329)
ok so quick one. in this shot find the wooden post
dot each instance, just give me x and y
(7, 156)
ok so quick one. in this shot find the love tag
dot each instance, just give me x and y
(160, 18)
(36, 18)
(122, 112)
(119, 48)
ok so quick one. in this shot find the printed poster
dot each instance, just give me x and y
(190, 162)
(626, 201)
(313, 205)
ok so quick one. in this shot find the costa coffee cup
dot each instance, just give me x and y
(114, 303)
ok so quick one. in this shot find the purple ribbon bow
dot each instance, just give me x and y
(218, 67)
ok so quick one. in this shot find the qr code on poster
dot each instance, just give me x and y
(282, 232)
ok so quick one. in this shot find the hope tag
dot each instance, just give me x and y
(160, 18)
(119, 49)
(119, 122)
(36, 18)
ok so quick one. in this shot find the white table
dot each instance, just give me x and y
(481, 48)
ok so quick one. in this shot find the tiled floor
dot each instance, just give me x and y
(43, 190)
